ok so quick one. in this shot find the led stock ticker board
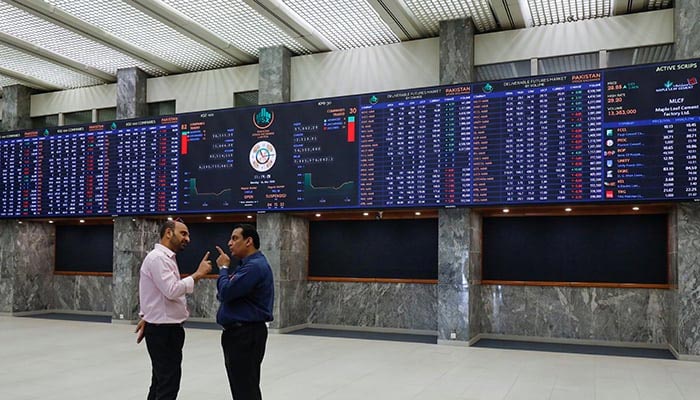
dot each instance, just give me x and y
(624, 134)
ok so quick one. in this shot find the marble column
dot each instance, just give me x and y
(274, 82)
(684, 299)
(459, 258)
(15, 108)
(283, 238)
(456, 51)
(284, 241)
(131, 93)
(686, 15)
(133, 239)
(688, 277)
(8, 233)
(26, 266)
(457, 252)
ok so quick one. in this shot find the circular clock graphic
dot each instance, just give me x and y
(262, 156)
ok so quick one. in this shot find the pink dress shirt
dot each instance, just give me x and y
(161, 291)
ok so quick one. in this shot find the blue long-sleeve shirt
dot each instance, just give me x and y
(246, 293)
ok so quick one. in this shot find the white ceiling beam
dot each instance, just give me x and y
(620, 32)
(290, 23)
(620, 7)
(187, 26)
(27, 80)
(56, 16)
(399, 19)
(511, 14)
(54, 58)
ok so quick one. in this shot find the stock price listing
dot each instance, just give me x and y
(117, 168)
(625, 134)
(651, 132)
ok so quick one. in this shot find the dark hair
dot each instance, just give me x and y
(248, 231)
(166, 225)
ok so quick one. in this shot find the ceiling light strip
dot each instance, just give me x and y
(67, 21)
(54, 58)
(169, 16)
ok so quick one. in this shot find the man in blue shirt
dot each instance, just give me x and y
(246, 295)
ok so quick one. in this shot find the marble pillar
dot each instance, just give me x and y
(459, 255)
(8, 233)
(686, 27)
(457, 306)
(133, 239)
(26, 266)
(131, 93)
(283, 238)
(456, 51)
(274, 82)
(284, 241)
(685, 271)
(688, 292)
(15, 108)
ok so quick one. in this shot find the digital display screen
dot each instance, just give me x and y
(623, 134)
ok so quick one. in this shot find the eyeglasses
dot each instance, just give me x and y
(178, 219)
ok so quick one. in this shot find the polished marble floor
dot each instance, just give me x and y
(60, 360)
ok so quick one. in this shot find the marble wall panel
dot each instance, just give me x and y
(374, 305)
(94, 293)
(607, 314)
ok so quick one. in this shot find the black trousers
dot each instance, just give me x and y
(164, 343)
(244, 349)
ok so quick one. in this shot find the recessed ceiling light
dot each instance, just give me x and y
(417, 212)
(506, 211)
(82, 221)
(567, 209)
(170, 218)
(19, 222)
(365, 214)
(635, 208)
(50, 221)
(208, 217)
(318, 214)
(249, 216)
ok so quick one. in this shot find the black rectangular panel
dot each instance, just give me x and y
(404, 249)
(84, 248)
(600, 249)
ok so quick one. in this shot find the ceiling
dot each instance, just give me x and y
(62, 44)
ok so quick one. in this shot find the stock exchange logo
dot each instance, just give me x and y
(263, 118)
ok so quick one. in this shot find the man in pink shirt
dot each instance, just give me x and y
(164, 308)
